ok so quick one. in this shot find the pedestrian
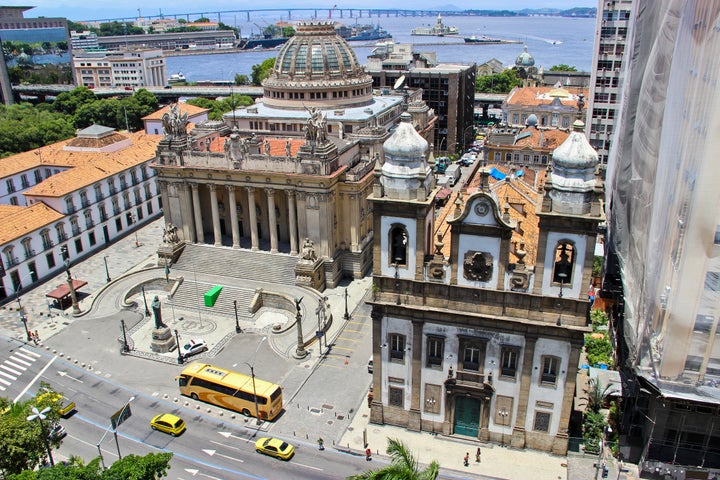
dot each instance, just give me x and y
(368, 454)
(321, 444)
(36, 337)
(466, 460)
(477, 456)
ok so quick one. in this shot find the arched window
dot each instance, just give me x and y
(564, 262)
(398, 245)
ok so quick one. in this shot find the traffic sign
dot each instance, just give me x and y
(120, 416)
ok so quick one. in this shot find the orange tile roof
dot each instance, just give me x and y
(541, 138)
(21, 221)
(277, 145)
(89, 167)
(191, 110)
(518, 193)
(539, 96)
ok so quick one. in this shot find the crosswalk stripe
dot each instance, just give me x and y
(8, 376)
(27, 364)
(10, 370)
(29, 359)
(15, 365)
(4, 381)
(28, 352)
(2, 388)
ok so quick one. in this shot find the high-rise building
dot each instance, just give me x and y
(611, 33)
(664, 235)
(127, 68)
(449, 89)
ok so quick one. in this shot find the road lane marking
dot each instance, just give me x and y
(345, 339)
(214, 452)
(47, 365)
(307, 466)
(14, 365)
(29, 352)
(31, 359)
(343, 348)
(20, 361)
(331, 366)
(8, 376)
(5, 382)
(10, 370)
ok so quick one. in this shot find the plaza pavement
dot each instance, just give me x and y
(340, 414)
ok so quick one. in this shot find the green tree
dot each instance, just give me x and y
(147, 100)
(501, 82)
(403, 466)
(262, 71)
(24, 127)
(68, 102)
(241, 79)
(218, 107)
(132, 467)
(202, 20)
(562, 68)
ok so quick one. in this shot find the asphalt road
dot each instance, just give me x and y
(211, 448)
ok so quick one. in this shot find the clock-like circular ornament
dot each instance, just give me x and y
(482, 208)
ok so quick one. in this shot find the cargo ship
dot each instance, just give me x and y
(488, 40)
(437, 30)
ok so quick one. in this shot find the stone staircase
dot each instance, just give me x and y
(188, 297)
(228, 262)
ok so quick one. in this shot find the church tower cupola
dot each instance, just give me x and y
(405, 173)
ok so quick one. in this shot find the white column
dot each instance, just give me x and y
(293, 222)
(272, 220)
(233, 216)
(215, 214)
(253, 218)
(198, 214)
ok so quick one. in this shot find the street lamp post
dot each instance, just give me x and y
(177, 340)
(300, 351)
(237, 322)
(347, 314)
(147, 311)
(126, 347)
(40, 416)
(107, 272)
(66, 257)
(252, 374)
(24, 319)
(503, 414)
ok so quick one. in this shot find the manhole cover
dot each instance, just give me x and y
(327, 407)
(330, 422)
(340, 417)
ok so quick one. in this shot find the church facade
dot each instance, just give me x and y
(475, 342)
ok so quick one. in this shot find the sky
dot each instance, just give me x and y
(77, 10)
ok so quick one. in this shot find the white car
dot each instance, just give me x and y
(193, 347)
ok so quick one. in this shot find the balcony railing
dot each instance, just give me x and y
(71, 209)
(47, 244)
(470, 376)
(62, 236)
(12, 261)
(113, 190)
(89, 224)
(85, 203)
(76, 231)
(29, 253)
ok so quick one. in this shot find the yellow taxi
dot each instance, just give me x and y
(168, 423)
(275, 448)
(58, 402)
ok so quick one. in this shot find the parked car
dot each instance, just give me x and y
(370, 365)
(168, 423)
(275, 448)
(57, 432)
(193, 347)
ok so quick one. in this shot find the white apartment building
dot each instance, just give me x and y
(82, 193)
(127, 68)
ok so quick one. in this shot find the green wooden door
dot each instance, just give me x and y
(467, 416)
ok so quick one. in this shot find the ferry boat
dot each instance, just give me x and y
(176, 77)
(368, 32)
(437, 30)
(487, 40)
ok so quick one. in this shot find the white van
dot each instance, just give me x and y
(370, 365)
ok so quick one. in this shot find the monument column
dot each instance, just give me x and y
(293, 222)
(272, 220)
(215, 214)
(233, 216)
(198, 215)
(253, 219)
(302, 215)
(518, 434)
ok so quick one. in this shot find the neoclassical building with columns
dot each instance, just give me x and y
(300, 171)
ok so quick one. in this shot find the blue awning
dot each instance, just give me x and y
(497, 174)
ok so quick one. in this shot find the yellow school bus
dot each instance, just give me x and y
(231, 390)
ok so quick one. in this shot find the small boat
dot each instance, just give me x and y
(437, 30)
(176, 77)
(483, 39)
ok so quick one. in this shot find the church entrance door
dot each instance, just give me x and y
(467, 416)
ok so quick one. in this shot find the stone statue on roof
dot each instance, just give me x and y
(316, 126)
(175, 122)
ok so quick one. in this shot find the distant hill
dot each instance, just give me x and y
(583, 12)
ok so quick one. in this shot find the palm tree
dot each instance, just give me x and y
(403, 466)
